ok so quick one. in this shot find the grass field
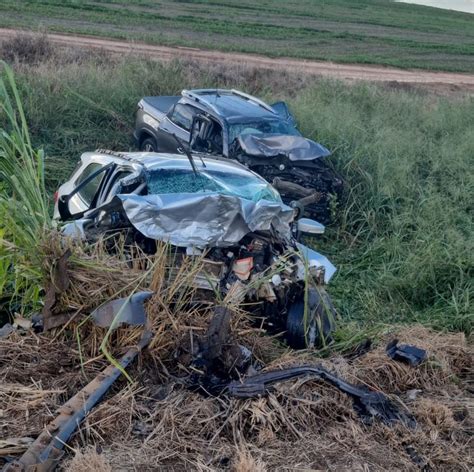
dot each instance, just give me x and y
(356, 31)
(403, 241)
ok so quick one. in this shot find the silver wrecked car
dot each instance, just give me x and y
(217, 209)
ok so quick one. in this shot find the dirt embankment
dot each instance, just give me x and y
(350, 72)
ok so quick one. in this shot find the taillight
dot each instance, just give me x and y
(56, 196)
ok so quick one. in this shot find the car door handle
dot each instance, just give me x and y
(180, 150)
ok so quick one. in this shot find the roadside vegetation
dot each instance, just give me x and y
(24, 212)
(401, 240)
(403, 237)
(355, 31)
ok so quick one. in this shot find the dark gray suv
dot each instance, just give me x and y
(242, 127)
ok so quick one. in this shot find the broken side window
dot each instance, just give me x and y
(182, 115)
(88, 192)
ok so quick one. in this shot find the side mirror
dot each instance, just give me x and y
(63, 207)
(307, 226)
(282, 109)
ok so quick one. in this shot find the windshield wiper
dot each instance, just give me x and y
(190, 157)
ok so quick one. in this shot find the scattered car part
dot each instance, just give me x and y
(406, 353)
(309, 227)
(6, 330)
(240, 126)
(302, 203)
(368, 404)
(127, 310)
(219, 355)
(45, 452)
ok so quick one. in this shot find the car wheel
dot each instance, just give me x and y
(148, 145)
(315, 329)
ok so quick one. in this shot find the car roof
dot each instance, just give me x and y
(231, 105)
(155, 160)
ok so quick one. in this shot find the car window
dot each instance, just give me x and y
(182, 115)
(243, 185)
(88, 192)
(115, 183)
(263, 126)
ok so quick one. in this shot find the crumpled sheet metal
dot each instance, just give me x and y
(296, 148)
(315, 259)
(204, 220)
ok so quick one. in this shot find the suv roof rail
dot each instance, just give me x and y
(200, 99)
(114, 153)
(200, 96)
(256, 100)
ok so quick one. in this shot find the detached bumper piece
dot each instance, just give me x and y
(368, 404)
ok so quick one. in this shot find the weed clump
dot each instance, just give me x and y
(26, 48)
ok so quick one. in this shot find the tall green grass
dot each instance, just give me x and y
(403, 242)
(24, 215)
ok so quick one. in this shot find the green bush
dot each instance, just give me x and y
(24, 215)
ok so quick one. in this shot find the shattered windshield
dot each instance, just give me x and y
(261, 127)
(243, 185)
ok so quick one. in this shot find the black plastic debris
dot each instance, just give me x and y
(367, 403)
(405, 353)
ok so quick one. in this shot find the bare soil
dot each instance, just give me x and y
(442, 81)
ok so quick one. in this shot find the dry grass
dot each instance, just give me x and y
(303, 424)
(155, 421)
(245, 462)
(88, 460)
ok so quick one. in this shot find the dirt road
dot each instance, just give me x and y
(327, 69)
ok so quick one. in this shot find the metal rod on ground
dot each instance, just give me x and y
(46, 451)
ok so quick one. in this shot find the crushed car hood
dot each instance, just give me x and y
(203, 220)
(296, 148)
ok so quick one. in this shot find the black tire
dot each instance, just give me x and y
(148, 145)
(316, 331)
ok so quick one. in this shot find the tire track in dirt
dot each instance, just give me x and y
(348, 72)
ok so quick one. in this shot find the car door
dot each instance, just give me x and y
(111, 186)
(82, 196)
(177, 122)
